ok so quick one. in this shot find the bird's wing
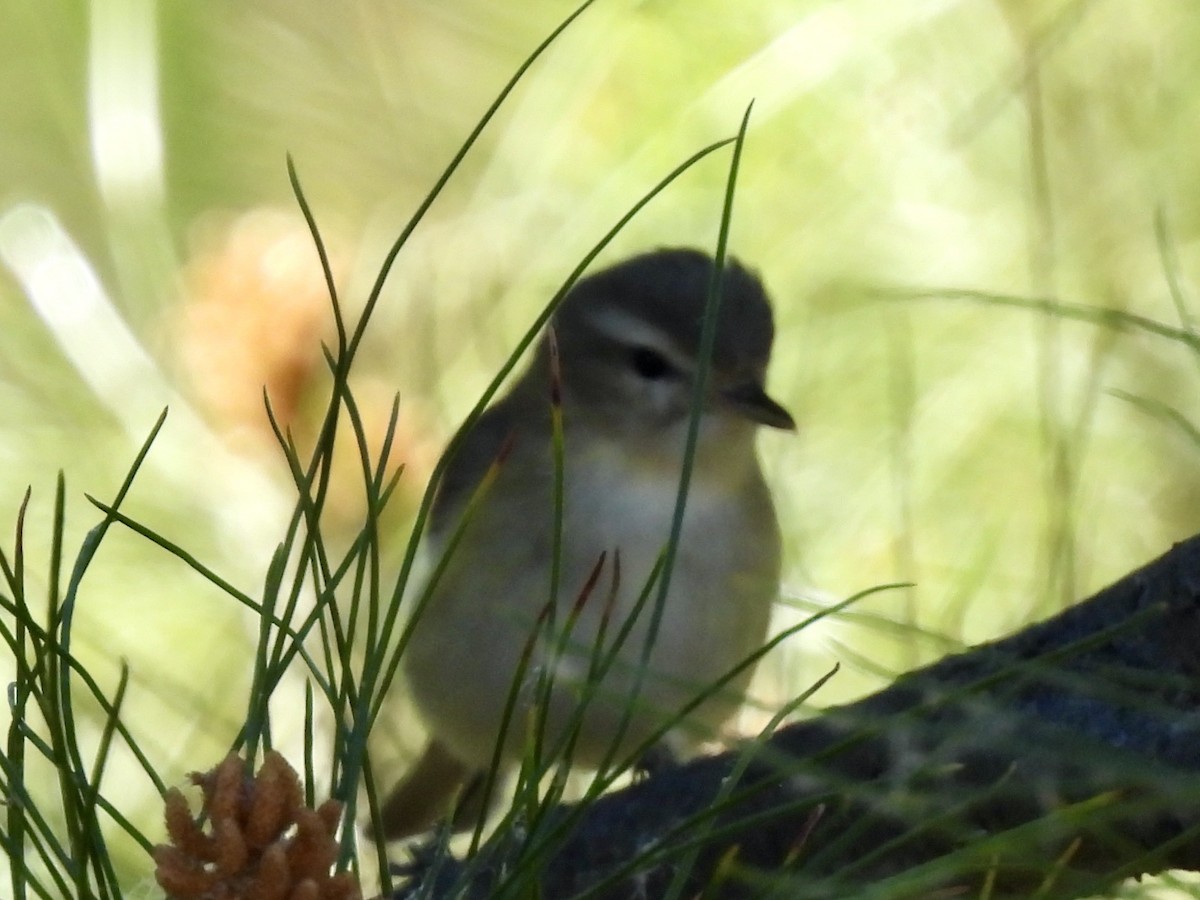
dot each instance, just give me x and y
(469, 461)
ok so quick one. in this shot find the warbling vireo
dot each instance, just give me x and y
(628, 343)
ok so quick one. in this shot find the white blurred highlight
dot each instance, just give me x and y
(66, 294)
(65, 291)
(125, 124)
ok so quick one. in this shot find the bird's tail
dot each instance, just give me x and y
(426, 793)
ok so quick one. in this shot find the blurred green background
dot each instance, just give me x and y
(1004, 461)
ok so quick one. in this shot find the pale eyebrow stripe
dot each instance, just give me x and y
(626, 328)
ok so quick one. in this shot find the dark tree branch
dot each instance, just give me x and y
(1064, 759)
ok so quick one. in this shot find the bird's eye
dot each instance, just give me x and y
(651, 364)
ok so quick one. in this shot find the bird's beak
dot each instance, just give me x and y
(751, 401)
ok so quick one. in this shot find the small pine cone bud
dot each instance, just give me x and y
(277, 796)
(274, 876)
(182, 828)
(178, 875)
(231, 852)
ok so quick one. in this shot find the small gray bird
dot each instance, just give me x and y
(628, 341)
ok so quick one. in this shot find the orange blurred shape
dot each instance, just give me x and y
(255, 313)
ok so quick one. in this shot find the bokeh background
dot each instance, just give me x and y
(909, 167)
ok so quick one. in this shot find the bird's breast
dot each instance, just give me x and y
(627, 511)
